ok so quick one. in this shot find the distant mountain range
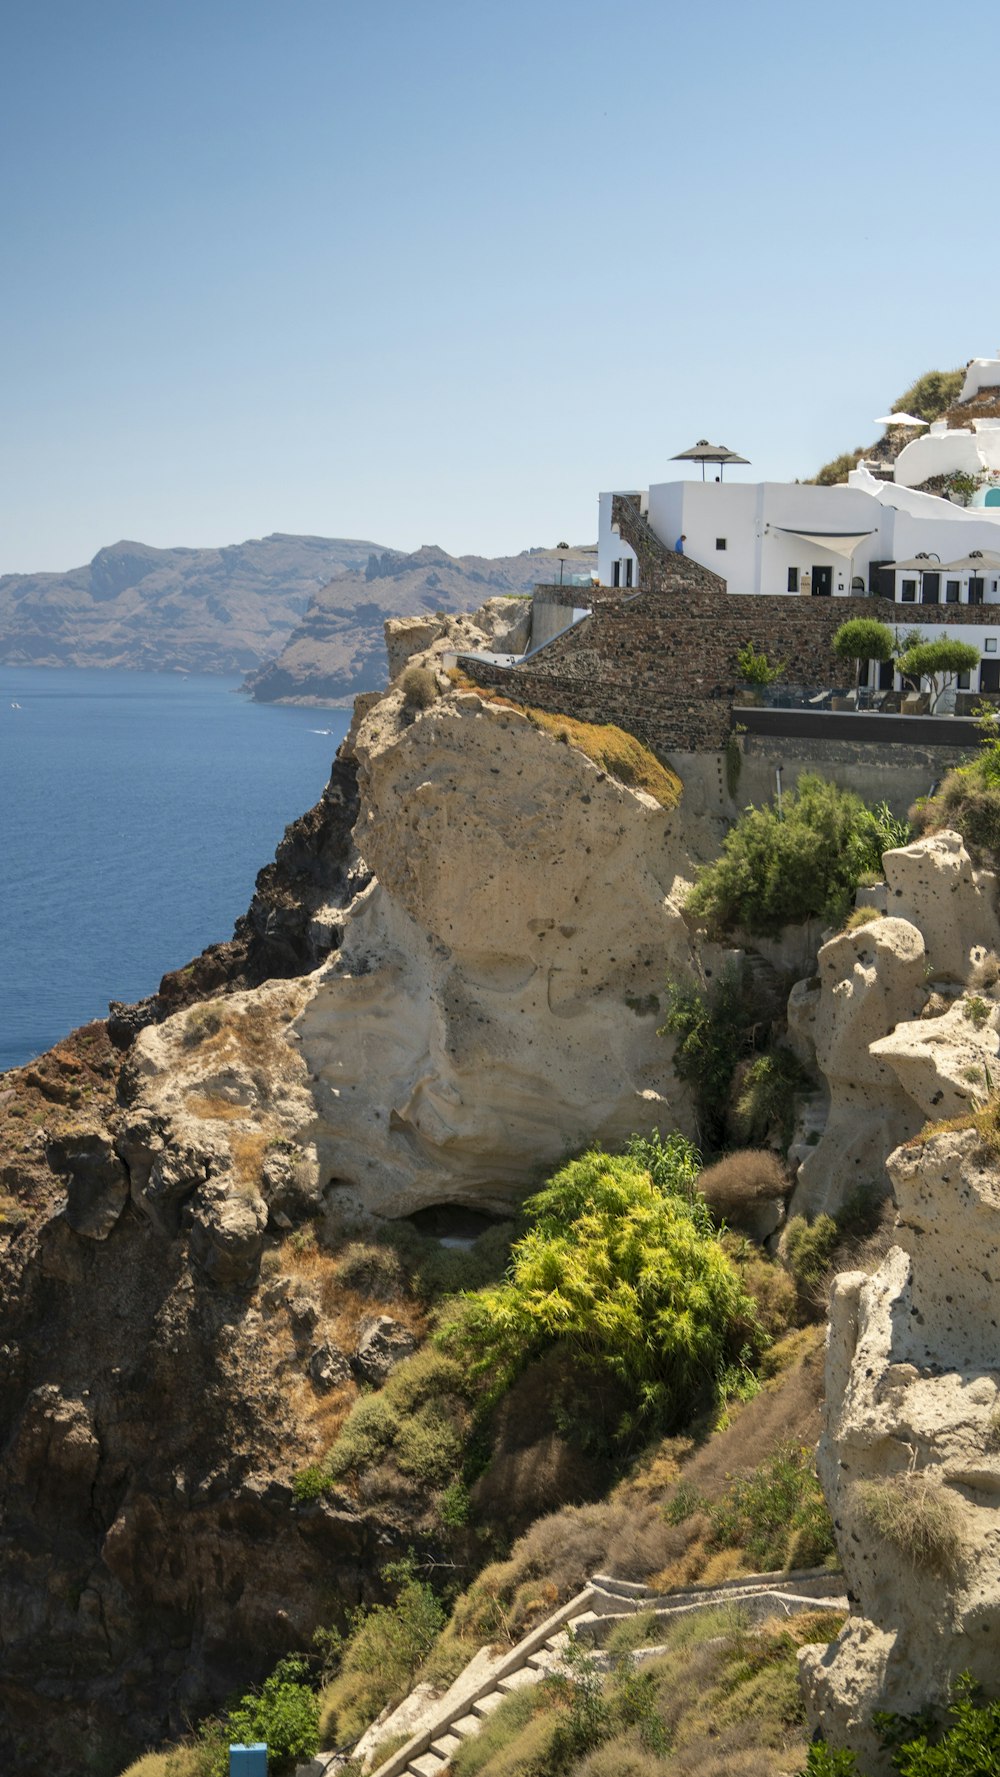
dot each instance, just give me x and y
(302, 616)
(338, 650)
(204, 610)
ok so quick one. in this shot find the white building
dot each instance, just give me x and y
(791, 540)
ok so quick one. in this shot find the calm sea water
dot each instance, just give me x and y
(135, 812)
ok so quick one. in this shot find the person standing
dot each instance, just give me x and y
(679, 545)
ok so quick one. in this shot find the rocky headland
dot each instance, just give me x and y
(451, 976)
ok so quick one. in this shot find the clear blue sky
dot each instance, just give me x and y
(439, 270)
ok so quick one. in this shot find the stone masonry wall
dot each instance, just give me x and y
(661, 662)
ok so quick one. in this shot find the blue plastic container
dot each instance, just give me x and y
(248, 1761)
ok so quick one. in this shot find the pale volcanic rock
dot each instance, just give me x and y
(913, 1392)
(494, 1002)
(869, 980)
(501, 624)
(934, 885)
(944, 1064)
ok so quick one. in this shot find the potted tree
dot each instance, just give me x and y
(861, 639)
(756, 672)
(940, 662)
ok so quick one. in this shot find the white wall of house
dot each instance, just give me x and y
(942, 452)
(742, 531)
(611, 548)
(980, 373)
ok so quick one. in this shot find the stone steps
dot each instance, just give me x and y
(592, 1615)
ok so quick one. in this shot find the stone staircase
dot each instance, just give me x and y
(591, 1617)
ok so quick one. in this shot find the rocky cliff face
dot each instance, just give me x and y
(904, 1018)
(910, 1457)
(895, 1021)
(465, 987)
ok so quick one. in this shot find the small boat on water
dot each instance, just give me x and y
(15, 706)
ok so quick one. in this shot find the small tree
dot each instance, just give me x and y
(940, 662)
(863, 638)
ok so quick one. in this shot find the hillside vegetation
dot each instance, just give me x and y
(929, 398)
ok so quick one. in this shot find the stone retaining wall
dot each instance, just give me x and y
(661, 661)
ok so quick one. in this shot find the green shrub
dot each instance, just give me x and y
(621, 1272)
(768, 1095)
(756, 669)
(807, 1249)
(284, 1713)
(713, 1031)
(917, 1517)
(920, 1747)
(380, 1656)
(777, 1514)
(311, 1483)
(804, 864)
(418, 1416)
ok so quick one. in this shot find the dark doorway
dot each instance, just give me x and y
(930, 589)
(886, 674)
(976, 589)
(989, 675)
(822, 582)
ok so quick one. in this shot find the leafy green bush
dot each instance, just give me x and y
(778, 870)
(419, 1416)
(771, 1086)
(713, 1028)
(777, 1513)
(379, 1657)
(622, 1271)
(284, 1713)
(311, 1483)
(755, 668)
(969, 799)
(969, 1747)
(807, 1249)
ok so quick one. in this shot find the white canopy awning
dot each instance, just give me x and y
(837, 542)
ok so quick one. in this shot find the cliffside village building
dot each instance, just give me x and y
(652, 643)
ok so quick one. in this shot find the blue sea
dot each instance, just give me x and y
(135, 812)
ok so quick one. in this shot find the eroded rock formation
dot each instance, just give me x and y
(897, 1021)
(910, 1454)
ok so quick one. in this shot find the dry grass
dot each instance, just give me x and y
(917, 1516)
(861, 916)
(319, 1416)
(177, 1761)
(741, 1180)
(211, 1107)
(343, 1306)
(620, 754)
